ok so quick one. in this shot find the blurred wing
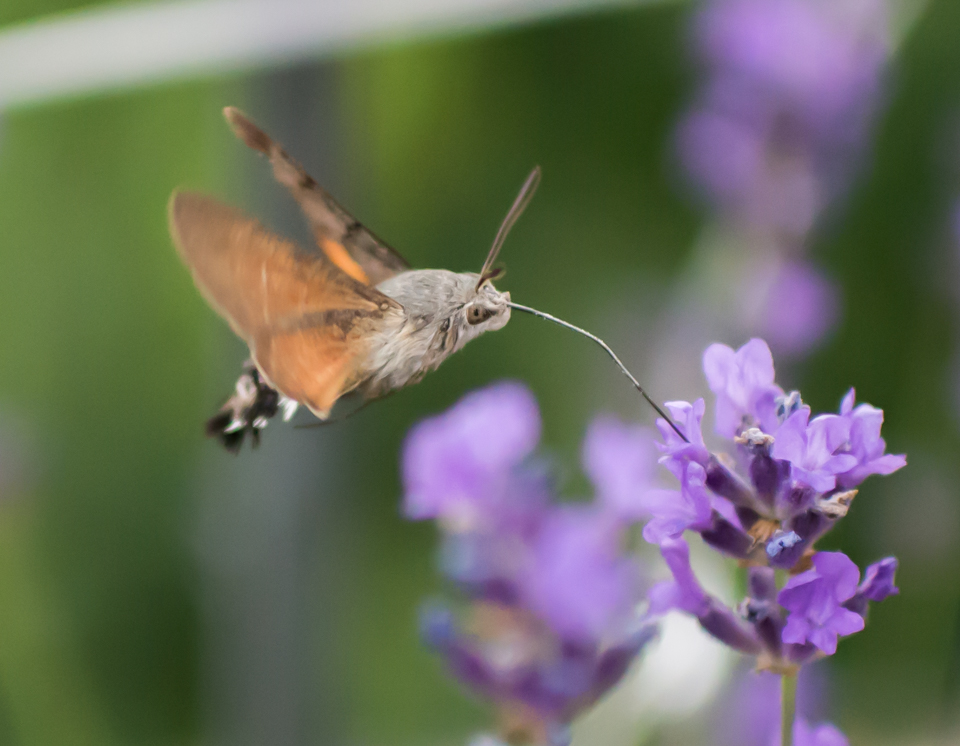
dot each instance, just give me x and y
(307, 323)
(343, 239)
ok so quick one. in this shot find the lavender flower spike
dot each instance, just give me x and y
(743, 383)
(815, 601)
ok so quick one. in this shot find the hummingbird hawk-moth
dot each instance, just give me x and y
(351, 316)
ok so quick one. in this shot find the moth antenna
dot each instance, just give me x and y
(516, 210)
(611, 353)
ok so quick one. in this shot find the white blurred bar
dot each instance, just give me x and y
(118, 46)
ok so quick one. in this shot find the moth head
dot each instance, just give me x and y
(487, 309)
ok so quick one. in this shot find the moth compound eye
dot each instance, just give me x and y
(476, 314)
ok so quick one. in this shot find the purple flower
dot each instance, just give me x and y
(800, 307)
(791, 89)
(795, 53)
(751, 715)
(878, 580)
(824, 734)
(743, 383)
(621, 461)
(815, 600)
(458, 462)
(865, 444)
(685, 594)
(549, 616)
(722, 154)
(674, 512)
(688, 418)
(684, 591)
(876, 586)
(811, 448)
(767, 502)
(577, 580)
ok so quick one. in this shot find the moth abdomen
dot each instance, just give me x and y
(247, 411)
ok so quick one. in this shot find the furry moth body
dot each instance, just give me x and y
(350, 317)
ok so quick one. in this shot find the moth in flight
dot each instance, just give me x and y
(350, 316)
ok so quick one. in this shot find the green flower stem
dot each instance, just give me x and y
(788, 708)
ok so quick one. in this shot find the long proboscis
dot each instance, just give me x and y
(611, 353)
(516, 210)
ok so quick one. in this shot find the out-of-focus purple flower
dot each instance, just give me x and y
(811, 448)
(549, 616)
(750, 715)
(800, 306)
(824, 734)
(502, 652)
(809, 59)
(577, 580)
(621, 461)
(865, 444)
(815, 600)
(791, 89)
(457, 462)
(743, 383)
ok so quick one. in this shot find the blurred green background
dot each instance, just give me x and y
(156, 590)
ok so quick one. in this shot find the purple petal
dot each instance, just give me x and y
(878, 580)
(790, 444)
(840, 570)
(673, 512)
(845, 622)
(688, 595)
(728, 628)
(688, 419)
(796, 630)
(865, 444)
(825, 434)
(742, 382)
(814, 600)
(846, 406)
(825, 638)
(813, 478)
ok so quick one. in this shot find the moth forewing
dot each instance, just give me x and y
(305, 321)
